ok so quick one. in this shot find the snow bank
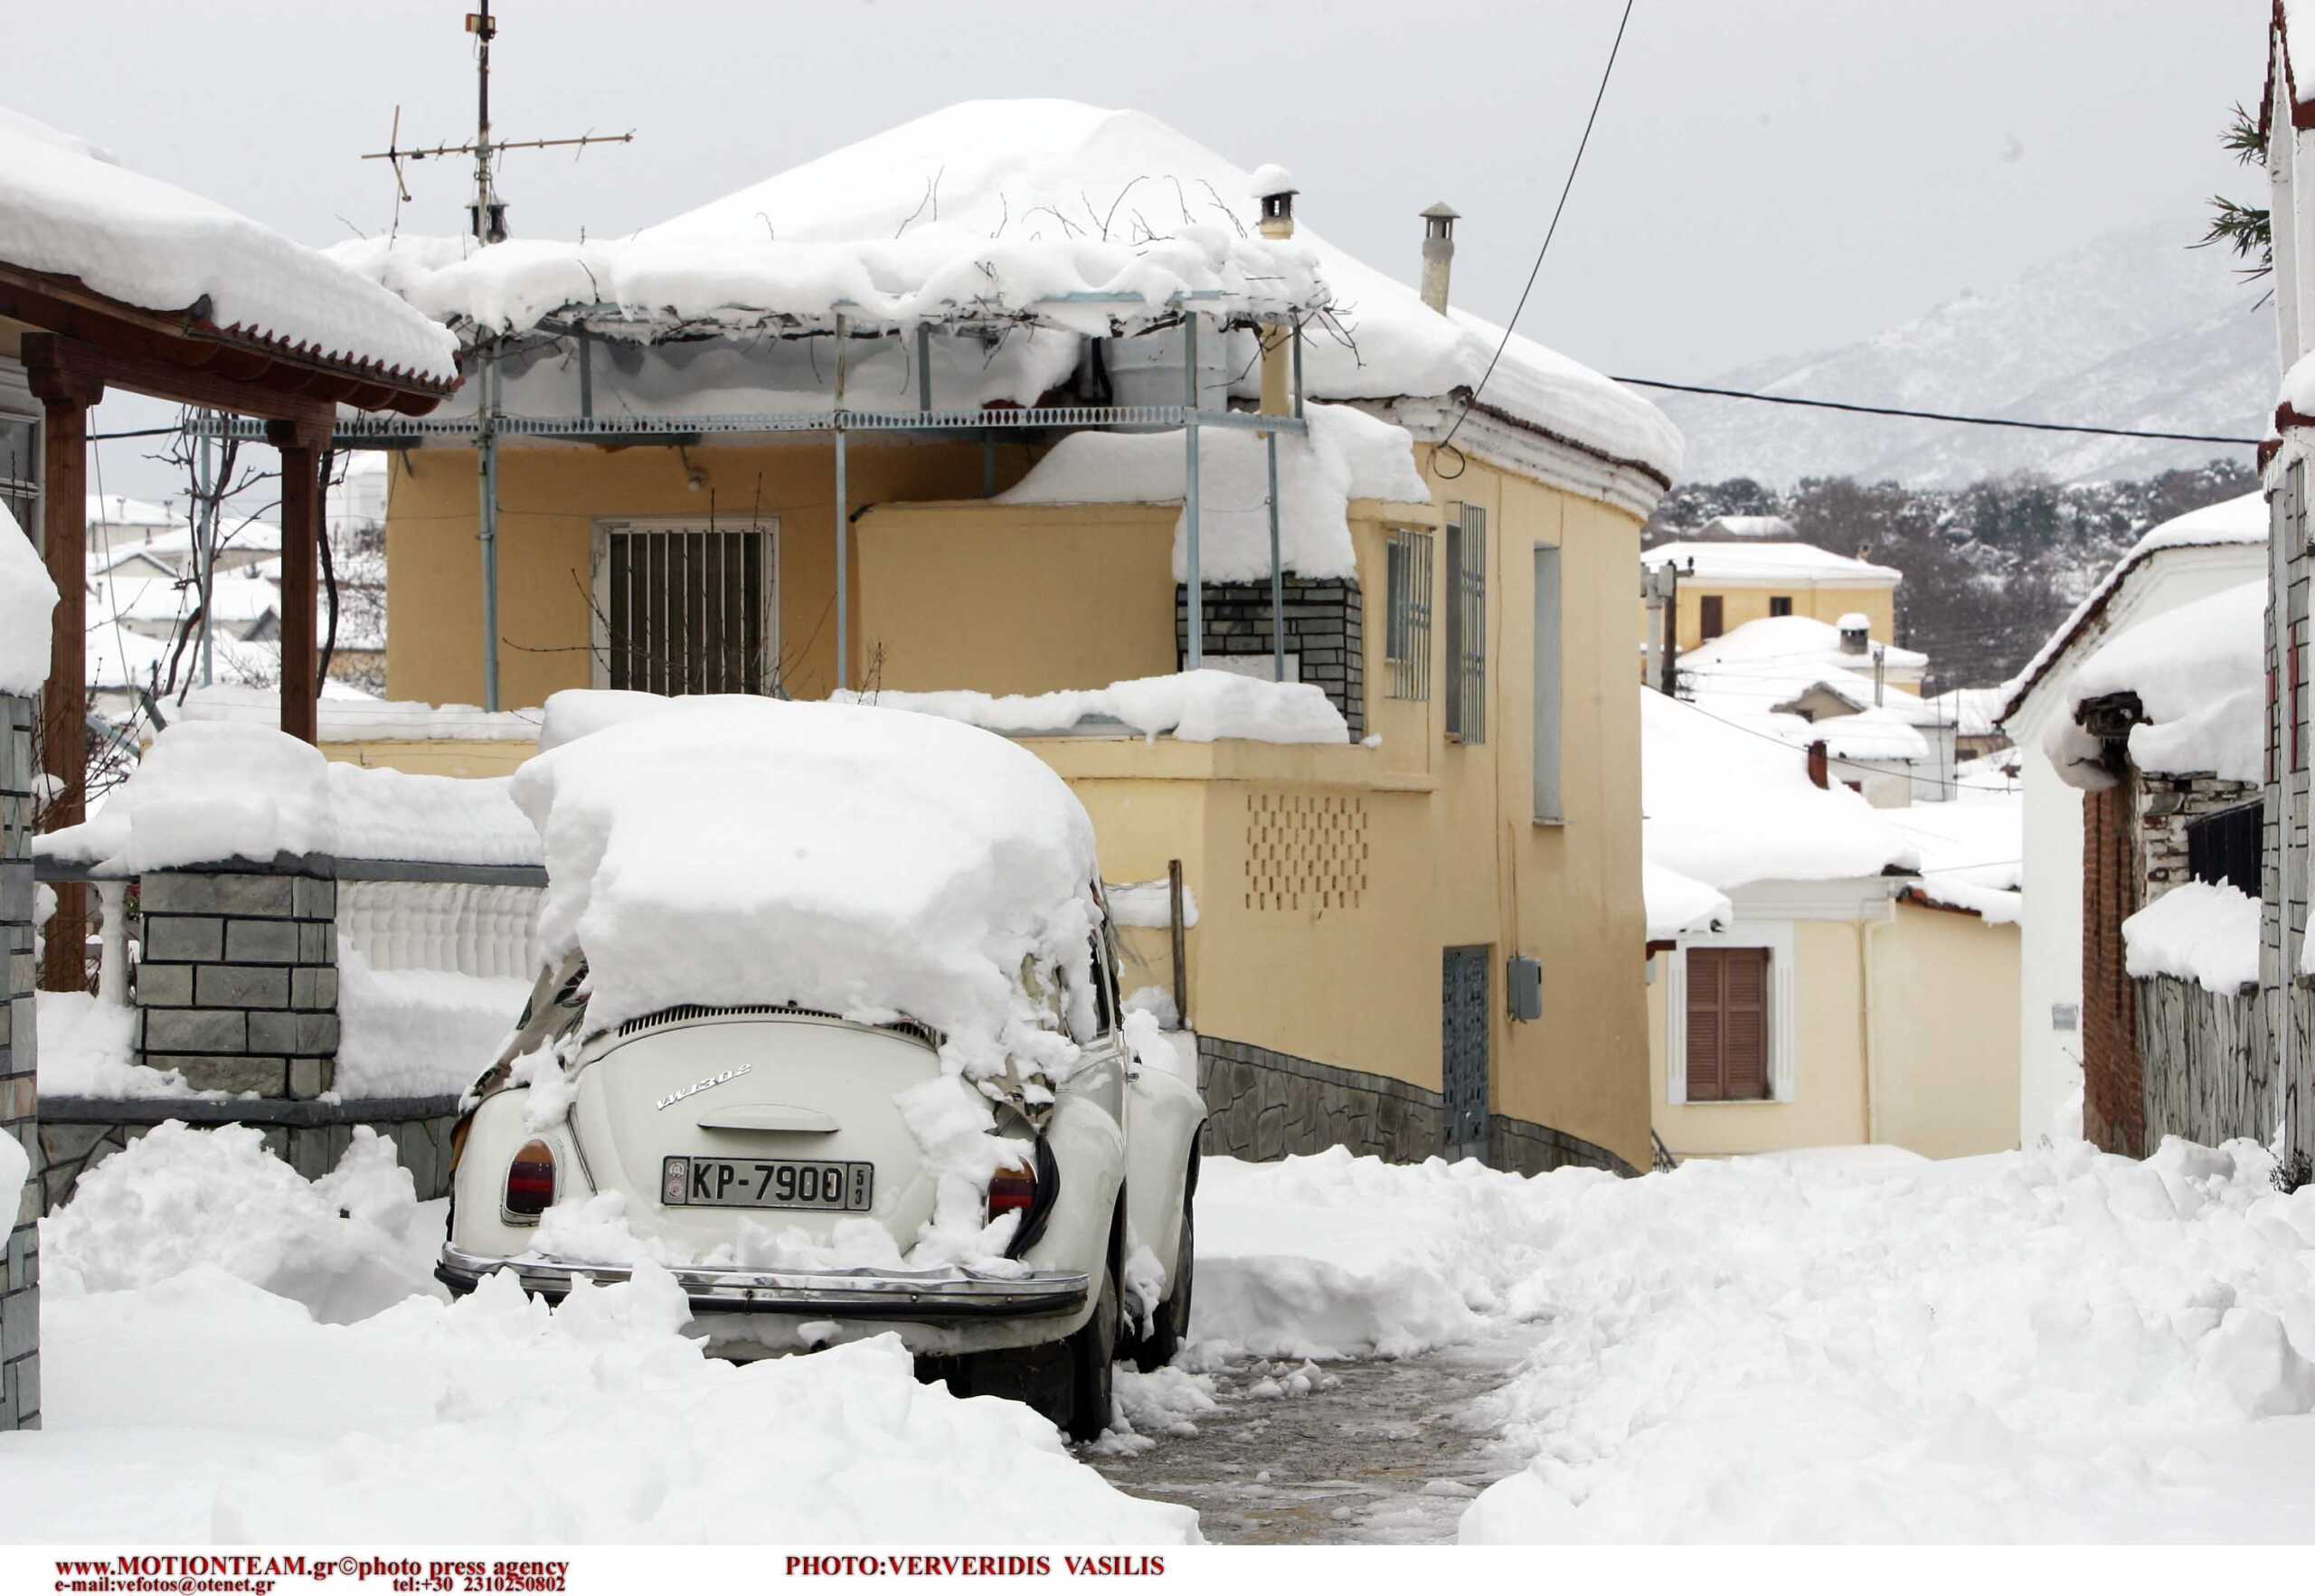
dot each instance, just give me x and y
(749, 850)
(69, 208)
(345, 1246)
(2199, 678)
(369, 719)
(211, 790)
(1726, 804)
(2196, 932)
(1191, 707)
(1678, 904)
(27, 598)
(2046, 1345)
(495, 1420)
(1346, 455)
(87, 1048)
(419, 1033)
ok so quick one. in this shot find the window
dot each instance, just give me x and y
(1549, 803)
(1406, 627)
(1467, 625)
(1779, 605)
(1712, 622)
(1727, 1014)
(20, 471)
(2224, 848)
(686, 607)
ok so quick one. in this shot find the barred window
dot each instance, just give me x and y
(1467, 625)
(2224, 846)
(686, 607)
(1406, 625)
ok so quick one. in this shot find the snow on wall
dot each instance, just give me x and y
(1190, 706)
(999, 202)
(2199, 677)
(69, 208)
(369, 719)
(1346, 455)
(27, 597)
(419, 1033)
(2197, 932)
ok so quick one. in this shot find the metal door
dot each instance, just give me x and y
(1463, 1032)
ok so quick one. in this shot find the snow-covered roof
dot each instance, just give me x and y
(1972, 852)
(117, 509)
(27, 596)
(1792, 643)
(1774, 528)
(2199, 675)
(1972, 712)
(1725, 805)
(1769, 665)
(70, 209)
(2234, 521)
(998, 210)
(2290, 37)
(1346, 455)
(1678, 904)
(1771, 565)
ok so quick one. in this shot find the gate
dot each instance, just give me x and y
(1463, 1032)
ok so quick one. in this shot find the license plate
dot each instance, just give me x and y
(842, 1185)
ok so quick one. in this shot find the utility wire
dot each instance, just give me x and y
(1883, 409)
(1566, 189)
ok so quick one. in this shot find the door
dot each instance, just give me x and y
(1463, 1032)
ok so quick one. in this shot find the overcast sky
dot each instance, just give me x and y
(1768, 176)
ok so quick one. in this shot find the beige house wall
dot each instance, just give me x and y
(1943, 1081)
(965, 594)
(443, 757)
(1742, 602)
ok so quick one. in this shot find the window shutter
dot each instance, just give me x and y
(1745, 1023)
(1704, 970)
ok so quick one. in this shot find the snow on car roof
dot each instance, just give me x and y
(70, 209)
(997, 207)
(732, 850)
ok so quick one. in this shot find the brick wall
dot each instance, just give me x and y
(19, 1116)
(236, 984)
(1325, 635)
(2114, 1112)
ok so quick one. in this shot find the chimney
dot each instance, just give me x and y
(1274, 188)
(1856, 632)
(1819, 774)
(1438, 254)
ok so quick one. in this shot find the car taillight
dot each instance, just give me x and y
(1012, 1191)
(530, 1181)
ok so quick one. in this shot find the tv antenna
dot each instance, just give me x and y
(485, 212)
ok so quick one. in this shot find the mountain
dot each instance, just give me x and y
(2133, 329)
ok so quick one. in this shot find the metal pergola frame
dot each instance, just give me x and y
(490, 423)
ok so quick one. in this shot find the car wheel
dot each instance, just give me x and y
(1170, 1323)
(1092, 1353)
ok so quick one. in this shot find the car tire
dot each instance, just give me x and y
(1169, 1322)
(1093, 1359)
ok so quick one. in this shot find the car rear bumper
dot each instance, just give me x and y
(925, 1296)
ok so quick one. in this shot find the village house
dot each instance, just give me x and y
(2161, 733)
(2185, 559)
(1721, 586)
(1822, 972)
(950, 470)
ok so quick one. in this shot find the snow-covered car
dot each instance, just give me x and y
(876, 1082)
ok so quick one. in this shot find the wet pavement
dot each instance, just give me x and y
(1380, 1451)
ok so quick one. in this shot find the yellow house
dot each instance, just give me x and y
(1822, 973)
(959, 461)
(1722, 585)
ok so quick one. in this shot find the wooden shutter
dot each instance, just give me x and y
(1710, 617)
(1727, 1023)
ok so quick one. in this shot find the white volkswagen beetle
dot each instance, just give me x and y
(713, 1121)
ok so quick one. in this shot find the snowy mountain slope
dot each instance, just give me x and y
(2133, 329)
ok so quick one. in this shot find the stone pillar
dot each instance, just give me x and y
(236, 984)
(19, 1105)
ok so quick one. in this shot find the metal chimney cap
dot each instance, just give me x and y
(1442, 211)
(1269, 181)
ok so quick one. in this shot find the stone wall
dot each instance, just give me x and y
(237, 982)
(1326, 634)
(1262, 1104)
(2166, 805)
(19, 1037)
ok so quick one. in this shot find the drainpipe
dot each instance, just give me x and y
(1868, 1017)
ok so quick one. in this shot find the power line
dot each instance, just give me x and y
(1566, 189)
(1883, 409)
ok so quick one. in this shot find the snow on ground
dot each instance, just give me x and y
(339, 1397)
(1190, 706)
(2198, 932)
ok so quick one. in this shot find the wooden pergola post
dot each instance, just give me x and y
(301, 443)
(65, 396)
